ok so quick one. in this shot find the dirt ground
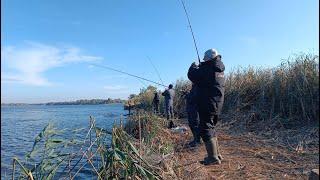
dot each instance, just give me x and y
(246, 156)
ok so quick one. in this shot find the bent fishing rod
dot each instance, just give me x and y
(194, 40)
(154, 67)
(116, 70)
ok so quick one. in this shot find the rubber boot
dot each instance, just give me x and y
(211, 148)
(168, 124)
(217, 144)
(168, 121)
(196, 139)
(171, 124)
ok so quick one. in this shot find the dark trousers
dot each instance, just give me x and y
(156, 108)
(194, 122)
(169, 111)
(208, 121)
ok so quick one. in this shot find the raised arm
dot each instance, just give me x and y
(164, 93)
(194, 73)
(218, 65)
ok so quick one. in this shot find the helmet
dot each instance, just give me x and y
(210, 54)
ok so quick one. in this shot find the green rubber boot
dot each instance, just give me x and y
(211, 147)
(217, 144)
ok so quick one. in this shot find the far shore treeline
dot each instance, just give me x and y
(77, 102)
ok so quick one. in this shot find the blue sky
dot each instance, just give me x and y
(47, 46)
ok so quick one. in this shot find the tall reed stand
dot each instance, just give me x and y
(139, 136)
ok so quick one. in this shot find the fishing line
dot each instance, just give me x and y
(112, 69)
(144, 84)
(194, 40)
(154, 67)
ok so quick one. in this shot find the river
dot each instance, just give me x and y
(21, 124)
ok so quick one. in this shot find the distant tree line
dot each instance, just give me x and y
(13, 104)
(77, 102)
(87, 102)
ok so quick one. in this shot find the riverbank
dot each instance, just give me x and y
(249, 155)
(271, 114)
(143, 148)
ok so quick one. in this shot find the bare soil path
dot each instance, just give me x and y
(246, 156)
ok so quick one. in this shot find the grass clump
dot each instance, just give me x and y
(153, 132)
(51, 157)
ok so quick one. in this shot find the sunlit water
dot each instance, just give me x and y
(21, 124)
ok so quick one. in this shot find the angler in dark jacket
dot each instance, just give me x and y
(209, 77)
(192, 110)
(155, 102)
(168, 97)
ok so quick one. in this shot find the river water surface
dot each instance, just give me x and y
(21, 124)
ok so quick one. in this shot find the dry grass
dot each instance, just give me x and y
(122, 158)
(289, 91)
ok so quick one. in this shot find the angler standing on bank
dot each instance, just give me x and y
(168, 96)
(192, 110)
(155, 102)
(209, 78)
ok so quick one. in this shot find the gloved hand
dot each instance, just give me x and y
(194, 64)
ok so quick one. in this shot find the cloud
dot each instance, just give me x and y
(91, 66)
(9, 78)
(27, 63)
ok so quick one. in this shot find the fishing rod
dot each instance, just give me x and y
(112, 69)
(144, 84)
(154, 67)
(194, 40)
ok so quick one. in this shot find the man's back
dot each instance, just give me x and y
(209, 77)
(168, 95)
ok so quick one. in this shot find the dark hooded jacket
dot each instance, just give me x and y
(168, 96)
(156, 98)
(209, 78)
(191, 99)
